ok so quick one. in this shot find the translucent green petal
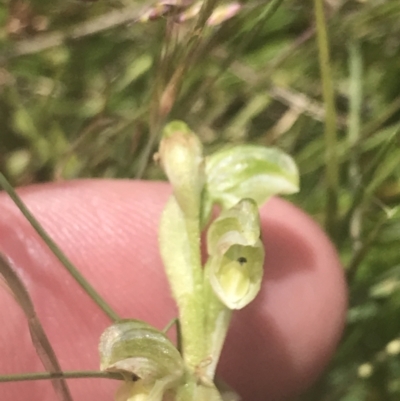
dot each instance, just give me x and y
(250, 171)
(136, 347)
(139, 391)
(236, 275)
(239, 224)
(235, 266)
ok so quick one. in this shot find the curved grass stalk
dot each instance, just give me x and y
(39, 338)
(332, 168)
(73, 374)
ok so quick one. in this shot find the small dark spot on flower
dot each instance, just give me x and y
(242, 260)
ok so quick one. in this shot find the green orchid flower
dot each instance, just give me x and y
(138, 350)
(235, 266)
(239, 179)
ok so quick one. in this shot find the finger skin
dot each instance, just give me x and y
(276, 346)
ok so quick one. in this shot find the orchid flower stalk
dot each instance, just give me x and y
(239, 180)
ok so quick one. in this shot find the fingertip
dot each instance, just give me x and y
(277, 345)
(108, 229)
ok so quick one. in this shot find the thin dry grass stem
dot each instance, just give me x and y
(378, 122)
(49, 40)
(295, 100)
(228, 59)
(39, 338)
(84, 374)
(96, 124)
(363, 250)
(362, 193)
(176, 56)
(303, 104)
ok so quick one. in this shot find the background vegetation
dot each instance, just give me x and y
(85, 87)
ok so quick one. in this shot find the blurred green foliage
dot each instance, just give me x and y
(74, 104)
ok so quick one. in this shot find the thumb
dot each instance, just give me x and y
(277, 345)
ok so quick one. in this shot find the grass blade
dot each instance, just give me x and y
(332, 168)
(74, 374)
(38, 335)
(353, 135)
(57, 251)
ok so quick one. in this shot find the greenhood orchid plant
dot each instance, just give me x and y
(239, 180)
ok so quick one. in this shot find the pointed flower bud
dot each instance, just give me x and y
(235, 266)
(135, 347)
(181, 155)
(249, 171)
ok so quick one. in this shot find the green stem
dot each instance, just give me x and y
(355, 97)
(218, 317)
(61, 375)
(363, 193)
(355, 92)
(175, 321)
(57, 251)
(193, 391)
(373, 126)
(361, 253)
(244, 40)
(194, 238)
(332, 169)
(179, 240)
(205, 12)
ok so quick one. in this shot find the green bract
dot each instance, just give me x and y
(135, 347)
(249, 171)
(235, 266)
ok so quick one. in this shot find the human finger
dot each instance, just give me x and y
(109, 230)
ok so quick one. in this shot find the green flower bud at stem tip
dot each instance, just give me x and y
(181, 156)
